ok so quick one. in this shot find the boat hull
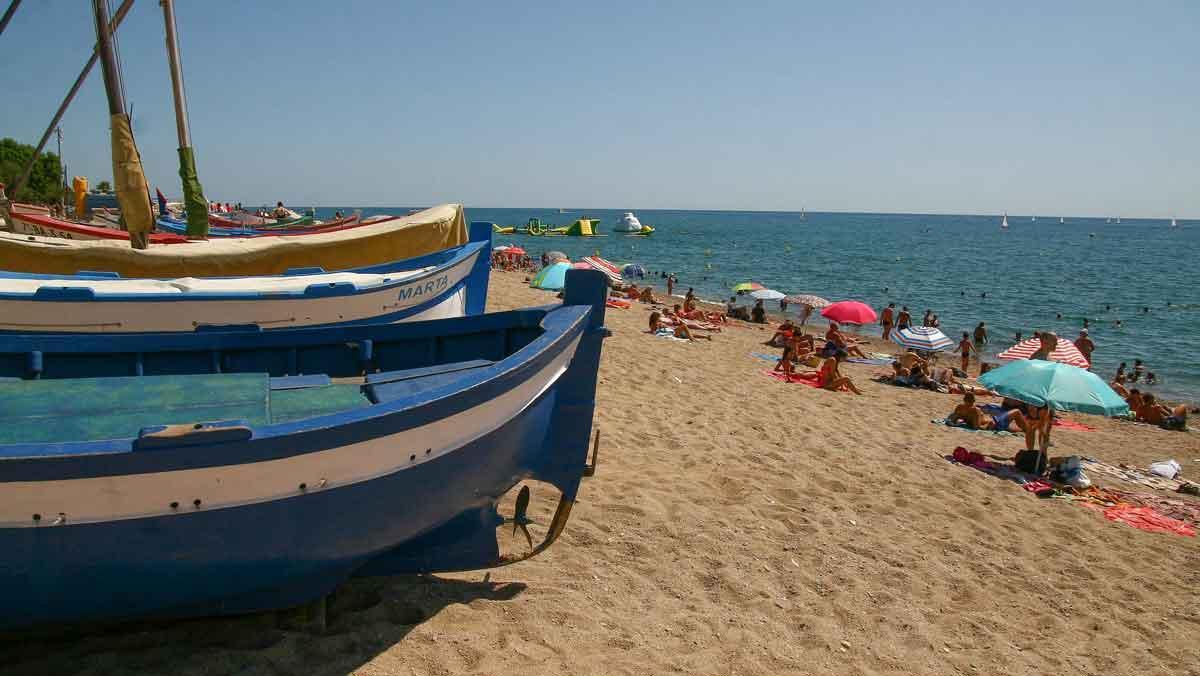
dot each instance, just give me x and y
(417, 234)
(47, 226)
(279, 516)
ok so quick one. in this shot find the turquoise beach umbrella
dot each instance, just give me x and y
(1063, 387)
(552, 277)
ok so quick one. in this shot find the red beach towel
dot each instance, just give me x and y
(1072, 425)
(1148, 520)
(779, 375)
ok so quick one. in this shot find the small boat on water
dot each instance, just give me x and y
(1061, 220)
(226, 472)
(1174, 224)
(418, 234)
(1004, 222)
(449, 283)
(628, 224)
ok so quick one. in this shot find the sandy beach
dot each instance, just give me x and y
(740, 525)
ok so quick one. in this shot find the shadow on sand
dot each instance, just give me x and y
(365, 618)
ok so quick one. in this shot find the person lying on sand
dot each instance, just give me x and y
(1155, 413)
(1118, 386)
(647, 295)
(973, 417)
(829, 378)
(836, 337)
(680, 330)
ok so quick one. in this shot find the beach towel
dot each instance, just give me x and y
(1130, 475)
(779, 375)
(962, 426)
(765, 357)
(872, 362)
(1072, 425)
(1145, 518)
(618, 303)
(669, 335)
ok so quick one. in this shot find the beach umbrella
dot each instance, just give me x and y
(748, 286)
(924, 338)
(850, 312)
(634, 270)
(1064, 352)
(610, 269)
(502, 247)
(766, 294)
(809, 300)
(580, 265)
(514, 251)
(1060, 386)
(552, 277)
(557, 256)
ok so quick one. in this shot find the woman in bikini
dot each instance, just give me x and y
(830, 378)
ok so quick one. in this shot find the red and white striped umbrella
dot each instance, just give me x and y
(607, 267)
(1065, 352)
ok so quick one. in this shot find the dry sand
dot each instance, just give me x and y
(739, 525)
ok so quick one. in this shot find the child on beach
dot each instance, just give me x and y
(966, 347)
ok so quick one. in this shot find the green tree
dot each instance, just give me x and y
(104, 187)
(44, 184)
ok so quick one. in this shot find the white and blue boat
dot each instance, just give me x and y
(223, 472)
(449, 283)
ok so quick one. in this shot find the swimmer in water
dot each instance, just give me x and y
(1108, 308)
(1118, 324)
(983, 295)
(1058, 316)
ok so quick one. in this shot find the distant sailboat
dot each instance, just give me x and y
(1061, 220)
(1174, 224)
(1108, 220)
(1004, 222)
(1118, 220)
(1033, 218)
(802, 214)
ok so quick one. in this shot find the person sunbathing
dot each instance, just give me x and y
(647, 295)
(836, 337)
(910, 359)
(831, 379)
(632, 292)
(679, 330)
(974, 417)
(1118, 386)
(1155, 413)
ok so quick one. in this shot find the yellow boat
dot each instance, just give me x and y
(417, 234)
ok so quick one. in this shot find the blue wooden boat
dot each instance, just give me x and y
(225, 472)
(445, 284)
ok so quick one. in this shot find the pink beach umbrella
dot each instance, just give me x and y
(850, 312)
(1065, 352)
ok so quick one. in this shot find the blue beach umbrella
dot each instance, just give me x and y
(634, 270)
(552, 277)
(1061, 386)
(924, 338)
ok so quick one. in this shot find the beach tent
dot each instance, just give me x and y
(552, 277)
(634, 270)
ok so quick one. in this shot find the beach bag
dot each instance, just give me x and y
(1030, 462)
(1168, 469)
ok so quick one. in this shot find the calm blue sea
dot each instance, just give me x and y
(1032, 273)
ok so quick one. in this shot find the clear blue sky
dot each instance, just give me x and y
(1076, 108)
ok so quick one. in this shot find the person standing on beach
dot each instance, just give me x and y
(981, 337)
(965, 347)
(805, 314)
(886, 319)
(670, 285)
(903, 319)
(1049, 344)
(925, 319)
(1085, 346)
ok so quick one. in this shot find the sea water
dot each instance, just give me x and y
(1031, 273)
